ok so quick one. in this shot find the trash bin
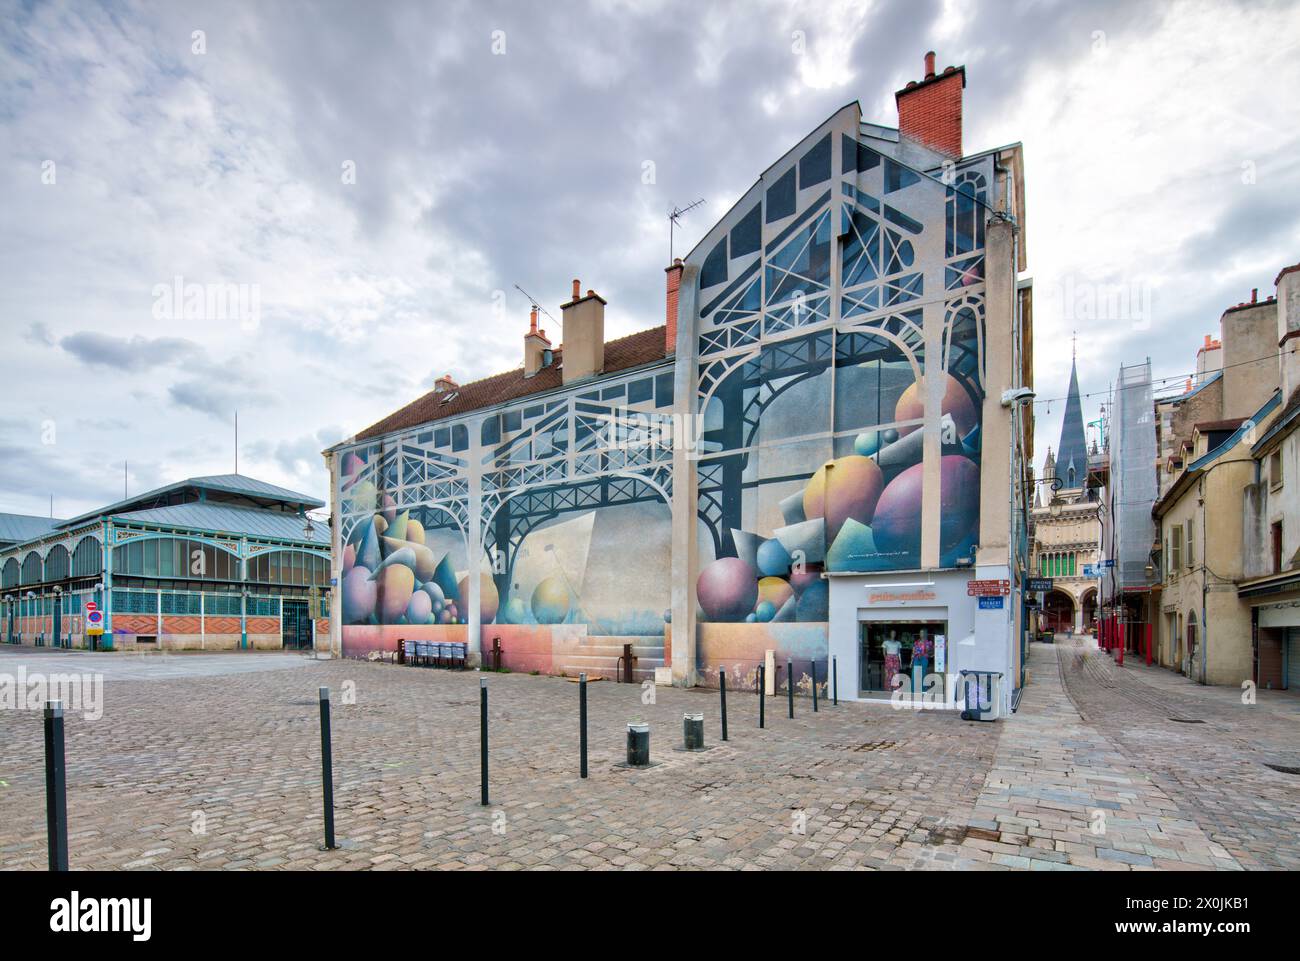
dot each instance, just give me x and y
(982, 691)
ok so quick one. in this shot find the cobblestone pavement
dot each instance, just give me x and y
(223, 771)
(1202, 746)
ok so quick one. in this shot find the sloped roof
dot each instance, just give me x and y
(25, 527)
(224, 519)
(235, 484)
(625, 353)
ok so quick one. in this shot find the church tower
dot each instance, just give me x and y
(1072, 451)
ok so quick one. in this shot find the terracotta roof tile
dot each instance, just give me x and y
(625, 353)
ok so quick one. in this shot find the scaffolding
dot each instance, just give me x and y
(1134, 483)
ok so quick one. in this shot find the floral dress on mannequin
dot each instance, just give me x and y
(893, 649)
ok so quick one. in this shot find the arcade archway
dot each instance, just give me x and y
(1058, 612)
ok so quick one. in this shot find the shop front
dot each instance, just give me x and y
(1276, 643)
(902, 638)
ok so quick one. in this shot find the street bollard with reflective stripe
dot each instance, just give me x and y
(789, 685)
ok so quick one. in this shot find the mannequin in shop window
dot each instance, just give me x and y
(893, 649)
(922, 651)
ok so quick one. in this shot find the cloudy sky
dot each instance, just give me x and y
(379, 176)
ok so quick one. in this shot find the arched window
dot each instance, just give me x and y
(87, 558)
(32, 568)
(174, 557)
(56, 563)
(10, 577)
(289, 567)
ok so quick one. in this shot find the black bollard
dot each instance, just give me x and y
(638, 744)
(762, 692)
(722, 692)
(483, 738)
(835, 682)
(56, 795)
(814, 680)
(789, 684)
(327, 768)
(582, 725)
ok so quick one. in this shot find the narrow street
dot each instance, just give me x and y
(1201, 746)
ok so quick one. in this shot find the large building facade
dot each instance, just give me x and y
(1066, 524)
(808, 464)
(209, 563)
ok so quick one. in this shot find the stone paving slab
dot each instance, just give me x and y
(219, 769)
(1205, 748)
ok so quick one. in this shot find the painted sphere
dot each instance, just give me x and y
(550, 602)
(852, 490)
(727, 589)
(864, 445)
(959, 501)
(445, 617)
(436, 598)
(956, 403)
(897, 524)
(419, 609)
(488, 599)
(773, 558)
(896, 527)
(799, 580)
(774, 590)
(516, 612)
(764, 612)
(359, 595)
(814, 603)
(396, 584)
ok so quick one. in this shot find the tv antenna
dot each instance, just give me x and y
(533, 300)
(675, 215)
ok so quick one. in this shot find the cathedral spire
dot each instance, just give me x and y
(1072, 451)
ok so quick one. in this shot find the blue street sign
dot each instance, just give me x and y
(990, 603)
(1108, 562)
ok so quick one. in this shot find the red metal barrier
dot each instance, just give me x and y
(1148, 632)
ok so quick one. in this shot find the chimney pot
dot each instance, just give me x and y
(1254, 295)
(930, 112)
(577, 289)
(532, 321)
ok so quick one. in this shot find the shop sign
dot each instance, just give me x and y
(899, 597)
(1043, 584)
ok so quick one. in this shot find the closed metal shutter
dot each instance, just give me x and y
(1293, 658)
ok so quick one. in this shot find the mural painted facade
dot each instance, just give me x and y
(839, 379)
(816, 409)
(559, 505)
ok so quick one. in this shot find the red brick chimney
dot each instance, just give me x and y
(444, 384)
(929, 110)
(674, 285)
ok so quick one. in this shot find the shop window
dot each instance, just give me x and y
(890, 650)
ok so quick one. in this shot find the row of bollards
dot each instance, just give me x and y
(638, 750)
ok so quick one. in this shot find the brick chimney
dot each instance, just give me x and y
(444, 384)
(1288, 327)
(674, 285)
(583, 320)
(929, 110)
(536, 346)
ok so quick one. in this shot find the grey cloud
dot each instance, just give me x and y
(128, 353)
